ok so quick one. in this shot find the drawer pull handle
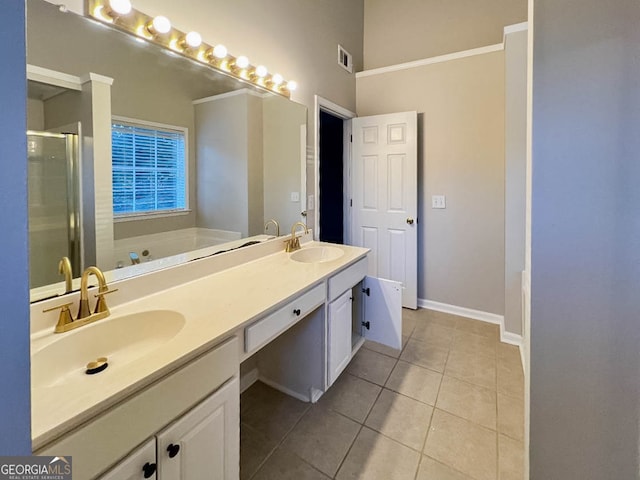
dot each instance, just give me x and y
(296, 312)
(149, 469)
(173, 450)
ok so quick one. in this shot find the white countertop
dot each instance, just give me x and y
(215, 307)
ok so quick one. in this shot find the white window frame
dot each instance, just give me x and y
(128, 217)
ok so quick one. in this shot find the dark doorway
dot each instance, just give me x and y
(331, 178)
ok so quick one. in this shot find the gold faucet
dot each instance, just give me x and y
(277, 225)
(64, 268)
(66, 321)
(293, 243)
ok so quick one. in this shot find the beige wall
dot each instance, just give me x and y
(35, 114)
(461, 155)
(405, 30)
(515, 176)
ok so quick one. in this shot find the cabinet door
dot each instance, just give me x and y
(339, 349)
(141, 464)
(204, 443)
(383, 311)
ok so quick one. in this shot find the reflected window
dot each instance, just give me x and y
(149, 168)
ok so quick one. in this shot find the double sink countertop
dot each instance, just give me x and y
(213, 307)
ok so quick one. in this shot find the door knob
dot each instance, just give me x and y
(410, 221)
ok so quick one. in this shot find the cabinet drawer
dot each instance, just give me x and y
(266, 329)
(347, 278)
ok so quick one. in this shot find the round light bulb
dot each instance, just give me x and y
(291, 85)
(122, 7)
(193, 39)
(277, 79)
(161, 24)
(242, 62)
(261, 71)
(219, 51)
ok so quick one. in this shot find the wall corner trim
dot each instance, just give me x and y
(430, 61)
(505, 337)
(515, 28)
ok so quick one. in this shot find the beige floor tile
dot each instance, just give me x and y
(463, 445)
(433, 334)
(510, 459)
(401, 418)
(440, 318)
(275, 413)
(285, 465)
(371, 366)
(254, 449)
(376, 457)
(254, 395)
(351, 396)
(425, 355)
(385, 350)
(475, 403)
(322, 438)
(508, 353)
(416, 382)
(476, 369)
(511, 416)
(409, 318)
(474, 343)
(478, 327)
(432, 470)
(510, 379)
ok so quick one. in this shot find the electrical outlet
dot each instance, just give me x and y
(295, 196)
(438, 201)
(310, 202)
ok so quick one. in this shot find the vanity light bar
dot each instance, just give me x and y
(159, 30)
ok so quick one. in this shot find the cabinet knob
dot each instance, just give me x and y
(149, 469)
(173, 450)
(297, 312)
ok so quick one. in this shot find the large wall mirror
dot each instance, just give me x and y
(138, 155)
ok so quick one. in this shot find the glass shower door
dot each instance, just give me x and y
(53, 205)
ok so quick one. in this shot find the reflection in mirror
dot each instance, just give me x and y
(171, 156)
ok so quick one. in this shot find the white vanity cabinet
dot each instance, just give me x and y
(360, 308)
(203, 443)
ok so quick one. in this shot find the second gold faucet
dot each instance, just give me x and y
(293, 243)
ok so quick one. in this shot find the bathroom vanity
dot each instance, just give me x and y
(168, 405)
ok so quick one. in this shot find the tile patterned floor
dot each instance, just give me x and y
(449, 406)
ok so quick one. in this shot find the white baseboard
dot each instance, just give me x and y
(505, 337)
(285, 390)
(248, 379)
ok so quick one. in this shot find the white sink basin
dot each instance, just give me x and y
(121, 339)
(317, 254)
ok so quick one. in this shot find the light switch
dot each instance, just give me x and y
(310, 202)
(295, 196)
(438, 201)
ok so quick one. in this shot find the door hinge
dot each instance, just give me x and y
(366, 325)
(351, 138)
(351, 202)
(367, 291)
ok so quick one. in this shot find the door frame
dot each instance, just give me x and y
(325, 105)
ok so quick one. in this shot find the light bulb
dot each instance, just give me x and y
(291, 85)
(122, 7)
(161, 25)
(277, 79)
(261, 71)
(193, 39)
(220, 51)
(242, 62)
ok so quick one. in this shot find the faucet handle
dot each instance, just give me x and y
(101, 304)
(65, 317)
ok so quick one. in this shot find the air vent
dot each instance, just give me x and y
(345, 59)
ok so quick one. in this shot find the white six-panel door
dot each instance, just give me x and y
(385, 197)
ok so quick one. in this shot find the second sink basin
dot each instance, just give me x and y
(121, 339)
(317, 254)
